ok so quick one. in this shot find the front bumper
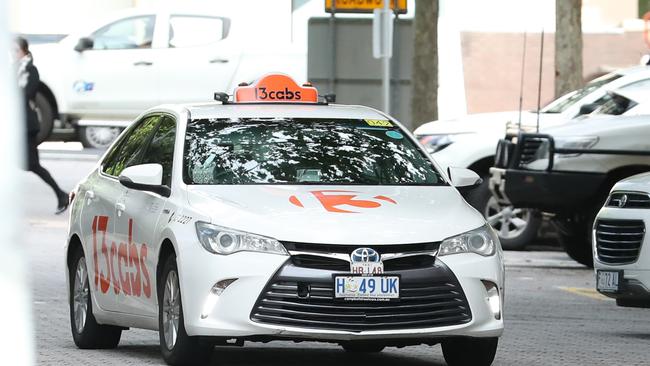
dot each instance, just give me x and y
(634, 286)
(233, 313)
(549, 191)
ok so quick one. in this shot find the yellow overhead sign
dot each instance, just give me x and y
(362, 6)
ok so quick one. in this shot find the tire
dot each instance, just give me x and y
(45, 113)
(470, 351)
(359, 347)
(516, 227)
(98, 137)
(575, 238)
(86, 332)
(183, 349)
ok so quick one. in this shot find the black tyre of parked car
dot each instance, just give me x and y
(86, 332)
(482, 200)
(45, 113)
(575, 236)
(470, 351)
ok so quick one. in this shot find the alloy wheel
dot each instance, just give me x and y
(171, 309)
(80, 294)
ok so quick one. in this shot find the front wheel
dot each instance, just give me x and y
(98, 137)
(177, 347)
(45, 114)
(470, 351)
(86, 332)
(575, 237)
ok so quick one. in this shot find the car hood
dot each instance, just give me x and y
(339, 214)
(601, 125)
(470, 123)
(639, 183)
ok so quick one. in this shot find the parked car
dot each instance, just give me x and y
(569, 170)
(280, 216)
(471, 143)
(94, 82)
(621, 248)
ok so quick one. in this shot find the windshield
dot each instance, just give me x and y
(303, 151)
(564, 102)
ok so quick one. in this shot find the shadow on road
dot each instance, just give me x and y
(263, 356)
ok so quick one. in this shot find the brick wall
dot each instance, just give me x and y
(492, 65)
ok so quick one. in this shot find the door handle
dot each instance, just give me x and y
(90, 196)
(143, 63)
(219, 61)
(120, 207)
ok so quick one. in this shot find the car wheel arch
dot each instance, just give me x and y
(482, 166)
(47, 92)
(167, 248)
(73, 245)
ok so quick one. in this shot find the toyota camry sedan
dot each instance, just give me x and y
(274, 214)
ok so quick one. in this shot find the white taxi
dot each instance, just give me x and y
(279, 216)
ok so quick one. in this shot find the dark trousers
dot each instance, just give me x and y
(34, 165)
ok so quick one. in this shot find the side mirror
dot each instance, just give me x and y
(85, 43)
(461, 177)
(587, 108)
(145, 177)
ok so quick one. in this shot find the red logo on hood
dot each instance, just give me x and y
(333, 199)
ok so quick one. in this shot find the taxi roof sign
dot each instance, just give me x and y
(363, 6)
(276, 88)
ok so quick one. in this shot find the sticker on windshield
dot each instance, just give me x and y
(394, 134)
(378, 123)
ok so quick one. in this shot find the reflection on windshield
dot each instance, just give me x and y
(303, 151)
(564, 102)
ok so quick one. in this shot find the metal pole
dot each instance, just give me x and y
(386, 63)
(521, 84)
(332, 31)
(539, 85)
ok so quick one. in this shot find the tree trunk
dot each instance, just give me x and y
(424, 80)
(568, 46)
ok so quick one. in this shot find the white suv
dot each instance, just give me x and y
(280, 217)
(470, 142)
(621, 248)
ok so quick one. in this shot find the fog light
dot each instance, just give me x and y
(493, 299)
(213, 296)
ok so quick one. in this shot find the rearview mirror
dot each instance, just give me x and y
(461, 177)
(145, 177)
(587, 108)
(85, 43)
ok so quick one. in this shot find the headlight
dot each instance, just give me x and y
(575, 142)
(435, 143)
(221, 240)
(481, 241)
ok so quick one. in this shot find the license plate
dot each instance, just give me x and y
(367, 268)
(608, 281)
(371, 288)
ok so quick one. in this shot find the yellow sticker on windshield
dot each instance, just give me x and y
(379, 123)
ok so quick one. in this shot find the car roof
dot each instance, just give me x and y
(634, 71)
(290, 110)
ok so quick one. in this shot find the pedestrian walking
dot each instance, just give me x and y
(28, 80)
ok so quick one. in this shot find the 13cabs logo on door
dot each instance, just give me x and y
(123, 265)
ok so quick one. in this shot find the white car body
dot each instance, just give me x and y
(621, 244)
(474, 137)
(110, 87)
(107, 218)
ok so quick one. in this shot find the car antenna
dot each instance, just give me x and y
(539, 83)
(521, 83)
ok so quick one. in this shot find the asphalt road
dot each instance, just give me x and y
(553, 315)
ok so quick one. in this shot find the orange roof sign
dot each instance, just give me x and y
(363, 6)
(276, 88)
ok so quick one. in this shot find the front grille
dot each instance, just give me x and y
(629, 200)
(528, 149)
(619, 241)
(347, 249)
(309, 255)
(431, 298)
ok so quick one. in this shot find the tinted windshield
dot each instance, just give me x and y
(564, 102)
(303, 151)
